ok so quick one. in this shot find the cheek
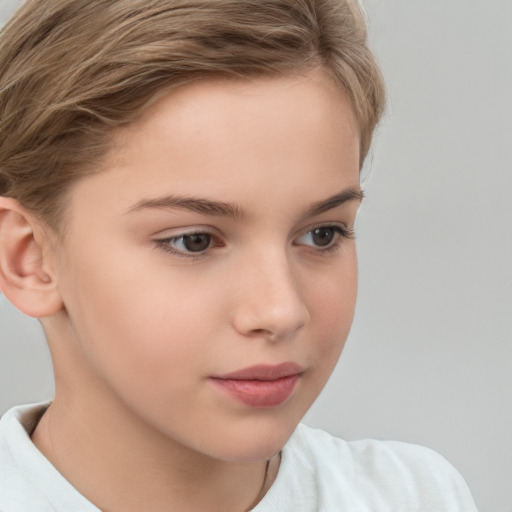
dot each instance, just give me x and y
(332, 310)
(145, 328)
(144, 349)
(132, 322)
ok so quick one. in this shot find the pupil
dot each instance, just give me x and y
(323, 236)
(197, 243)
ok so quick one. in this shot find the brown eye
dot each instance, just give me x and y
(193, 244)
(323, 236)
(196, 242)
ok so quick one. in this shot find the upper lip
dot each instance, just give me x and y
(263, 372)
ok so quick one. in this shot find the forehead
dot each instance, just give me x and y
(210, 107)
(238, 139)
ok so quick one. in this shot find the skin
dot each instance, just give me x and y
(139, 326)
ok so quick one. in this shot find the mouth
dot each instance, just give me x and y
(260, 386)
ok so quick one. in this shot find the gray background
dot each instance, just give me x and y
(429, 359)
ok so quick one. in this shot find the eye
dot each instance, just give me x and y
(187, 245)
(325, 237)
(197, 242)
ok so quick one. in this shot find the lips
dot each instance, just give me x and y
(260, 386)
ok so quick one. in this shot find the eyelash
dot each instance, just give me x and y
(342, 232)
(165, 244)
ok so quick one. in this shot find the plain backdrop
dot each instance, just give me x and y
(429, 358)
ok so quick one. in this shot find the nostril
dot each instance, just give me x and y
(261, 333)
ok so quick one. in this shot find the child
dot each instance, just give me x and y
(179, 182)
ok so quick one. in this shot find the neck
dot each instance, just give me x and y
(119, 464)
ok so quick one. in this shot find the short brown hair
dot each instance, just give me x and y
(73, 70)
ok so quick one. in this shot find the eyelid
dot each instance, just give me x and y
(183, 231)
(345, 230)
(165, 242)
(342, 232)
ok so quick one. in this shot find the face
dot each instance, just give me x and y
(209, 272)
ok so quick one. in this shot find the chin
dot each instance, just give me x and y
(254, 440)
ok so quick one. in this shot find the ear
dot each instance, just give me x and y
(27, 278)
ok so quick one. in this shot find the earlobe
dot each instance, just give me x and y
(25, 276)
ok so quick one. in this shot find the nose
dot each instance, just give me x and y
(268, 299)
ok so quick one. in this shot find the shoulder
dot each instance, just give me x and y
(380, 475)
(27, 479)
(367, 455)
(16, 490)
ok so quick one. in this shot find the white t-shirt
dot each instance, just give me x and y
(318, 473)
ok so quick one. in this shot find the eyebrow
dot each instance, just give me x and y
(222, 209)
(203, 206)
(349, 194)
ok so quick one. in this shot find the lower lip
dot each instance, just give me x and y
(259, 393)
